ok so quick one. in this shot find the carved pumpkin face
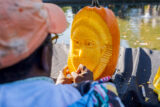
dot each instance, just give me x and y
(84, 48)
(92, 42)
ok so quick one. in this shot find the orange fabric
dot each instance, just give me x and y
(24, 25)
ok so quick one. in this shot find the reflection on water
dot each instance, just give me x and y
(139, 25)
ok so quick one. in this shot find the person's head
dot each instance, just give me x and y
(25, 41)
(36, 64)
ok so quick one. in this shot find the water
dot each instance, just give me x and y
(139, 25)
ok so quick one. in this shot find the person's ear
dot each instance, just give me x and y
(46, 60)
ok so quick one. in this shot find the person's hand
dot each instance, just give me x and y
(62, 77)
(82, 74)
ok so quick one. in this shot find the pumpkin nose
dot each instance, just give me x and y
(82, 52)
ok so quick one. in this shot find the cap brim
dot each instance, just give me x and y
(56, 18)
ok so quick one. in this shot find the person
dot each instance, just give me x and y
(25, 61)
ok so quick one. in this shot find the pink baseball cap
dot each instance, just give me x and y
(24, 25)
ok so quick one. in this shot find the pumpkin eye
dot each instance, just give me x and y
(90, 43)
(76, 42)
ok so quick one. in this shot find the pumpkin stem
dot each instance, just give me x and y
(95, 3)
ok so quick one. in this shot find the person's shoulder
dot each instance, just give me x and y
(60, 90)
(66, 93)
(67, 88)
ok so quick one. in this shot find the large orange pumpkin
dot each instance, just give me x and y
(95, 41)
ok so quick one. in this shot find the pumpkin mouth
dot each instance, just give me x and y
(85, 62)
